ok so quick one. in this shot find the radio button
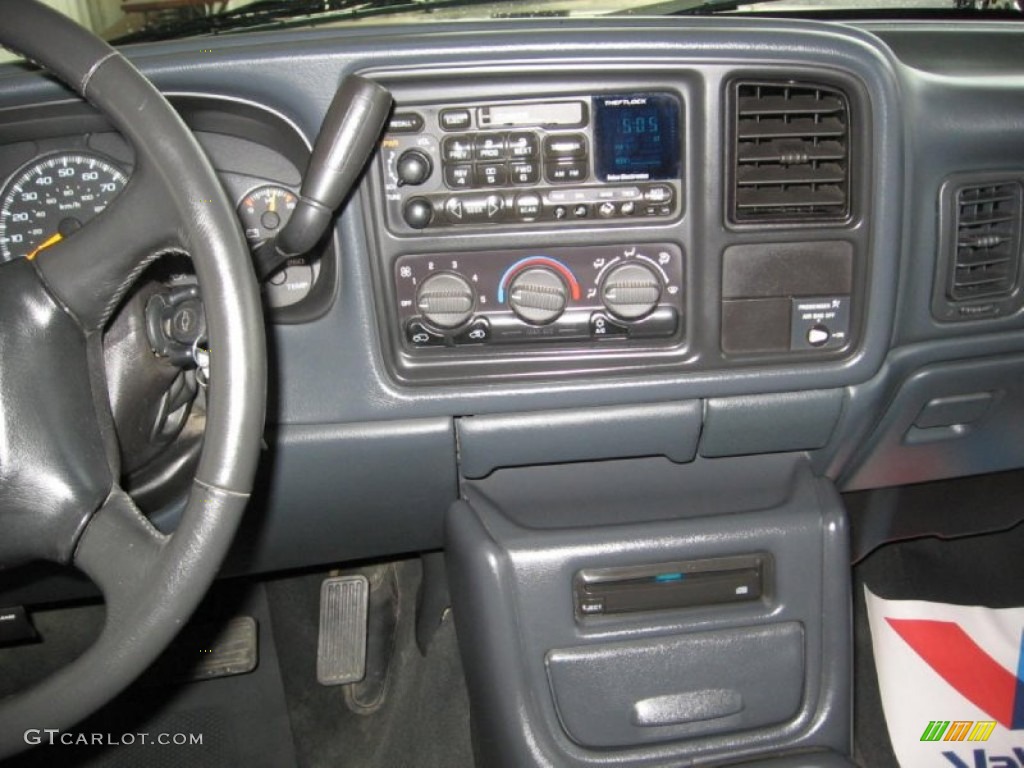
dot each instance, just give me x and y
(565, 145)
(457, 149)
(525, 173)
(476, 208)
(659, 193)
(606, 210)
(528, 207)
(455, 209)
(581, 211)
(492, 175)
(628, 208)
(490, 146)
(456, 119)
(566, 172)
(405, 122)
(522, 146)
(658, 210)
(458, 176)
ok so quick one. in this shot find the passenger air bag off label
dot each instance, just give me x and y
(951, 678)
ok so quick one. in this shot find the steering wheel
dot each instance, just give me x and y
(59, 461)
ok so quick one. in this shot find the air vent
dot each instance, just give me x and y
(988, 229)
(792, 153)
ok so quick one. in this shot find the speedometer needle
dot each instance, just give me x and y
(56, 237)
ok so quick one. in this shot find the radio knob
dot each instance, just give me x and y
(446, 300)
(413, 167)
(418, 213)
(537, 295)
(631, 291)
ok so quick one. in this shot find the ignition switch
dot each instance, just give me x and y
(176, 324)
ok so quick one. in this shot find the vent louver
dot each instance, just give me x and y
(988, 229)
(792, 153)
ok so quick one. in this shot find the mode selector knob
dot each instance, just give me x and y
(537, 295)
(446, 300)
(413, 167)
(631, 290)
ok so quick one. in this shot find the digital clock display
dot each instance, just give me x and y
(636, 137)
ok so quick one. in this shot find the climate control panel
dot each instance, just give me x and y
(571, 295)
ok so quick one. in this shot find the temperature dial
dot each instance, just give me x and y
(631, 291)
(537, 295)
(446, 300)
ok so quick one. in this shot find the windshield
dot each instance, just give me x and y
(129, 21)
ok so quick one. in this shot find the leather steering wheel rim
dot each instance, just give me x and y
(151, 582)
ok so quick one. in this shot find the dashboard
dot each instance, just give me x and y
(684, 238)
(644, 324)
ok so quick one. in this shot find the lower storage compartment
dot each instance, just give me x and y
(641, 613)
(677, 687)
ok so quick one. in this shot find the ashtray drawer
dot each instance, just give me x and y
(680, 686)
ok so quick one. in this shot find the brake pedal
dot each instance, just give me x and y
(234, 651)
(207, 651)
(341, 647)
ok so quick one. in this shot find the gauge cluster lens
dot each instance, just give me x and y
(52, 197)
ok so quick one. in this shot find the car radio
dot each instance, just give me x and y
(609, 157)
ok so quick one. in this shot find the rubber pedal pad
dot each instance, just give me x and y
(341, 647)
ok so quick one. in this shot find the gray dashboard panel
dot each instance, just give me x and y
(332, 493)
(737, 426)
(331, 371)
(343, 345)
(548, 437)
(948, 419)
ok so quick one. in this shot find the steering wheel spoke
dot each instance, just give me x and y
(91, 271)
(118, 549)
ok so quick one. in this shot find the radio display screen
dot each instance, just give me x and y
(636, 137)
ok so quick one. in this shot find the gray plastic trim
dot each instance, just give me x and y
(489, 442)
(331, 493)
(901, 452)
(796, 421)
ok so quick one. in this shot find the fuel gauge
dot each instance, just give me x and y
(265, 210)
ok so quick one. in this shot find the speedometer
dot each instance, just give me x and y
(51, 197)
